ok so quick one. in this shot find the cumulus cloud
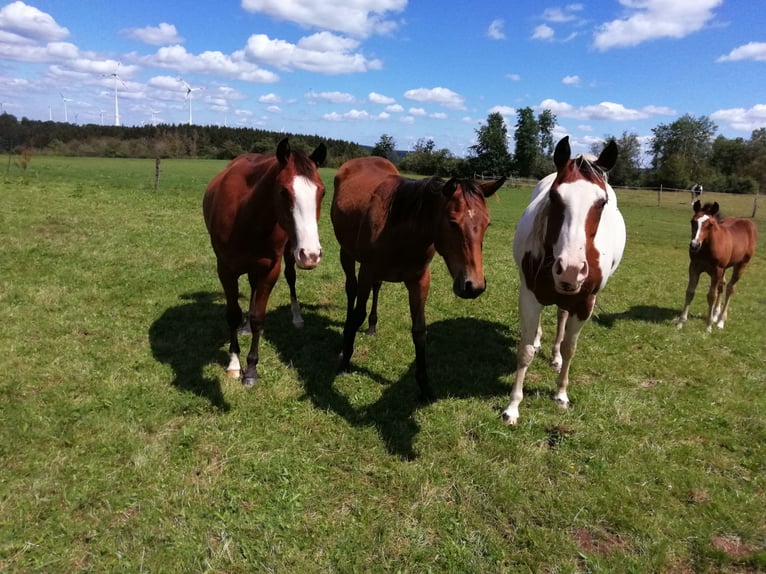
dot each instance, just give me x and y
(503, 110)
(24, 24)
(155, 35)
(442, 96)
(332, 97)
(270, 98)
(323, 53)
(566, 14)
(495, 30)
(377, 98)
(211, 62)
(360, 18)
(571, 80)
(750, 51)
(354, 115)
(653, 19)
(741, 119)
(543, 32)
(608, 111)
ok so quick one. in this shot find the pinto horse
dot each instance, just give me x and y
(716, 244)
(254, 208)
(393, 227)
(568, 243)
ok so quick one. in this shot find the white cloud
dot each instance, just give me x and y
(354, 115)
(273, 109)
(416, 112)
(213, 62)
(571, 80)
(332, 97)
(503, 110)
(438, 116)
(161, 35)
(741, 119)
(24, 24)
(495, 30)
(513, 77)
(377, 98)
(270, 98)
(394, 108)
(750, 51)
(441, 96)
(543, 32)
(606, 111)
(653, 19)
(560, 15)
(360, 18)
(324, 53)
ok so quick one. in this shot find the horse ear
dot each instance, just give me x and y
(697, 206)
(283, 151)
(319, 154)
(490, 187)
(608, 156)
(562, 153)
(449, 188)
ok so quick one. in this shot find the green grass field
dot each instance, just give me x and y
(124, 448)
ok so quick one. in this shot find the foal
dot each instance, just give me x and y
(717, 243)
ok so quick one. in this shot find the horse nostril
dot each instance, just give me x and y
(558, 269)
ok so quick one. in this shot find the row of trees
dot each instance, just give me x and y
(679, 154)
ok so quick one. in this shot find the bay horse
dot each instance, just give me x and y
(393, 227)
(253, 209)
(717, 243)
(569, 241)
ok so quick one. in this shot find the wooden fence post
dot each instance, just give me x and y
(156, 173)
(755, 205)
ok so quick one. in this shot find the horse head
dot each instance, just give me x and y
(300, 193)
(577, 198)
(704, 218)
(461, 231)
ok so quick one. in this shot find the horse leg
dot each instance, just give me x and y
(561, 320)
(418, 293)
(529, 313)
(568, 347)
(694, 277)
(262, 282)
(714, 296)
(730, 288)
(372, 321)
(295, 307)
(230, 284)
(357, 293)
(539, 335)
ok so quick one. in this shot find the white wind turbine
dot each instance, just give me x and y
(189, 91)
(65, 100)
(117, 78)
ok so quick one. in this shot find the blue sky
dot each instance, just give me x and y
(357, 69)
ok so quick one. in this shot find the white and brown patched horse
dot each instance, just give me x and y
(569, 241)
(717, 244)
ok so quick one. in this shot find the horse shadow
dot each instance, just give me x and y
(467, 358)
(188, 337)
(644, 313)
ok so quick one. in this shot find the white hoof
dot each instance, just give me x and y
(233, 374)
(556, 364)
(510, 416)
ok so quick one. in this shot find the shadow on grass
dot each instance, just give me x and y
(645, 313)
(189, 337)
(466, 358)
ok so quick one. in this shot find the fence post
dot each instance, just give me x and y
(755, 204)
(659, 195)
(156, 173)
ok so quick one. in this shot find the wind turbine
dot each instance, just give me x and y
(189, 91)
(65, 100)
(117, 78)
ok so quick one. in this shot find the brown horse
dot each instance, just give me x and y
(255, 207)
(717, 243)
(393, 227)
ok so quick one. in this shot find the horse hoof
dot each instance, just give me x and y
(298, 324)
(371, 332)
(233, 374)
(509, 420)
(563, 405)
(248, 382)
(556, 365)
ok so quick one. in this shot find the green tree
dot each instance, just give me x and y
(425, 159)
(681, 151)
(546, 121)
(527, 139)
(385, 147)
(490, 154)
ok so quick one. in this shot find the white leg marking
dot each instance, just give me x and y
(234, 369)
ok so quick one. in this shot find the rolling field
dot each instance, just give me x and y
(124, 448)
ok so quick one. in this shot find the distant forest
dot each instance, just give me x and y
(163, 141)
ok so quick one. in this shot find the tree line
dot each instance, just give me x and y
(677, 155)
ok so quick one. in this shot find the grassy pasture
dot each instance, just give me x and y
(124, 447)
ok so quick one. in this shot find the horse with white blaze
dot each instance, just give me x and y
(569, 241)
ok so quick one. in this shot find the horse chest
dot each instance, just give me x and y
(538, 278)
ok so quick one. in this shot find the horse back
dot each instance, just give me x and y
(744, 236)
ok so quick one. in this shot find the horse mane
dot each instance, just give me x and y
(410, 196)
(304, 165)
(587, 166)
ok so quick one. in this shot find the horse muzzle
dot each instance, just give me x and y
(466, 289)
(694, 246)
(307, 259)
